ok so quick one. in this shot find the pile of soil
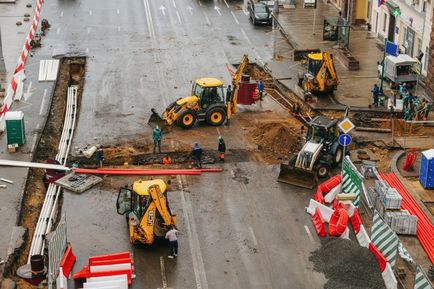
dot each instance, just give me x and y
(346, 264)
(277, 140)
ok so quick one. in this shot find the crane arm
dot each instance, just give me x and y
(236, 78)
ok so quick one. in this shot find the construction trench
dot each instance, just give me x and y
(274, 141)
(71, 72)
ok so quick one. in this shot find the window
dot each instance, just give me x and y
(384, 22)
(424, 6)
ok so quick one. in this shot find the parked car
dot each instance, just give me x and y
(259, 13)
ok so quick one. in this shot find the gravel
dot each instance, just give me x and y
(347, 265)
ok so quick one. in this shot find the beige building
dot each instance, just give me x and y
(410, 29)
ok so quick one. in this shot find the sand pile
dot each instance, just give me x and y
(277, 140)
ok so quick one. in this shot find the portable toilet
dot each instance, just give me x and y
(426, 172)
(15, 131)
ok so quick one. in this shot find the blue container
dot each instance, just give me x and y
(426, 172)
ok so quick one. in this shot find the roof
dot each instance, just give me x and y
(402, 58)
(142, 187)
(209, 82)
(323, 121)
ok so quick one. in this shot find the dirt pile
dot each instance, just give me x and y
(347, 265)
(277, 140)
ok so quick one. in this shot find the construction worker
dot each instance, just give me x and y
(260, 89)
(157, 135)
(402, 90)
(167, 160)
(375, 94)
(196, 153)
(172, 235)
(221, 148)
(99, 156)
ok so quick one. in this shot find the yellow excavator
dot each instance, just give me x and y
(147, 210)
(207, 102)
(320, 76)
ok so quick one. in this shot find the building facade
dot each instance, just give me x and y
(408, 23)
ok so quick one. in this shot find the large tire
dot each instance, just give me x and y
(337, 157)
(322, 170)
(216, 116)
(187, 119)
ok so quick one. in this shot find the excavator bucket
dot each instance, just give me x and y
(156, 119)
(296, 176)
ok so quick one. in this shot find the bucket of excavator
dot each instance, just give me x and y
(292, 175)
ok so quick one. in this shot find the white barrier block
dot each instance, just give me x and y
(326, 212)
(363, 237)
(20, 87)
(330, 196)
(104, 268)
(389, 277)
(346, 234)
(61, 281)
(97, 285)
(123, 277)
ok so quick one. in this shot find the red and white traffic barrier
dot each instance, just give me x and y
(19, 75)
(117, 264)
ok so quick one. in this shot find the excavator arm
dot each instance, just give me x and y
(236, 78)
(328, 61)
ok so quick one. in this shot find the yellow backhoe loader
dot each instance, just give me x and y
(320, 76)
(207, 102)
(147, 210)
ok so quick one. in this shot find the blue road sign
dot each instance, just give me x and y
(344, 139)
(391, 48)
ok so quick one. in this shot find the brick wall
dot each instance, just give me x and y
(430, 76)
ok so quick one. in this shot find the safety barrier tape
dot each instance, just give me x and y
(19, 69)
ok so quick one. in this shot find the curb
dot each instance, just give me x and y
(395, 170)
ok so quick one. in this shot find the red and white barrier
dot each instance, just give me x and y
(19, 76)
(68, 261)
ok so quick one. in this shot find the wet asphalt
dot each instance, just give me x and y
(240, 228)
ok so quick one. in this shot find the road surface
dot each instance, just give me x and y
(240, 228)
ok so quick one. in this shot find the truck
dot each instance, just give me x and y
(399, 69)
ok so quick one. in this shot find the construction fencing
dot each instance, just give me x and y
(56, 248)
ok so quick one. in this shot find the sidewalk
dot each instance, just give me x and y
(355, 86)
(35, 105)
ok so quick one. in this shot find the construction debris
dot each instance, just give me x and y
(346, 264)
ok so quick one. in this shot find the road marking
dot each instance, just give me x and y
(174, 4)
(58, 31)
(119, 28)
(118, 11)
(190, 9)
(87, 50)
(163, 10)
(207, 19)
(198, 267)
(41, 110)
(227, 5)
(218, 10)
(255, 242)
(35, 138)
(309, 234)
(179, 17)
(90, 12)
(163, 272)
(61, 14)
(29, 87)
(245, 12)
(257, 56)
(149, 20)
(245, 35)
(88, 30)
(235, 18)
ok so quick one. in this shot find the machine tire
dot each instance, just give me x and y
(187, 119)
(216, 116)
(337, 157)
(322, 170)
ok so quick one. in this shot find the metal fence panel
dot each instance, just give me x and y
(56, 249)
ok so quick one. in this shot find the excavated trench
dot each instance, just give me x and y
(71, 72)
